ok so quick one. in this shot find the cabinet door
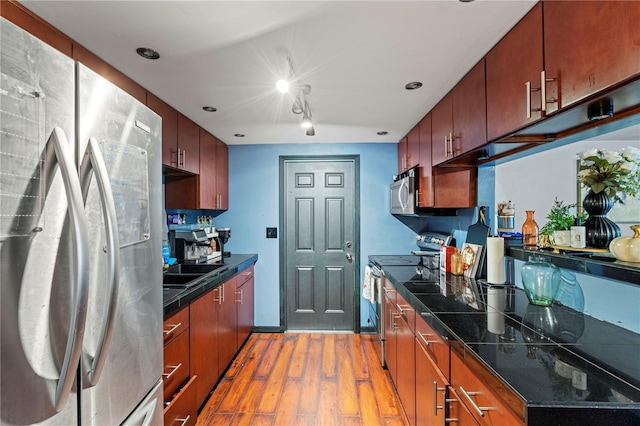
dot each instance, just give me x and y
(188, 145)
(227, 339)
(470, 111)
(431, 389)
(169, 129)
(514, 61)
(203, 345)
(455, 187)
(402, 154)
(222, 175)
(413, 147)
(589, 45)
(442, 130)
(425, 197)
(406, 363)
(176, 364)
(390, 326)
(207, 178)
(245, 306)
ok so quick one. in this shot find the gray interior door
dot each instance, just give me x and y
(319, 258)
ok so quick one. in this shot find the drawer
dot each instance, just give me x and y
(436, 345)
(183, 409)
(176, 364)
(175, 324)
(389, 290)
(244, 276)
(406, 311)
(490, 401)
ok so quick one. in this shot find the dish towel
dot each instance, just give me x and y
(367, 285)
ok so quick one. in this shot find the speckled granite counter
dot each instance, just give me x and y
(175, 298)
(565, 367)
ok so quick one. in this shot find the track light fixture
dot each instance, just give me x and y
(300, 105)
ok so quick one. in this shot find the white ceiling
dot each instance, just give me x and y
(356, 55)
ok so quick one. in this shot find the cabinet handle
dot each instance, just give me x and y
(446, 419)
(527, 86)
(174, 369)
(172, 329)
(184, 421)
(479, 410)
(424, 339)
(178, 157)
(437, 407)
(543, 91)
(239, 292)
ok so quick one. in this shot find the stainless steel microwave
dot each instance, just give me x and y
(403, 194)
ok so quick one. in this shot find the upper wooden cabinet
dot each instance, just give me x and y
(589, 46)
(188, 155)
(442, 130)
(409, 150)
(169, 129)
(214, 173)
(425, 196)
(470, 111)
(402, 154)
(513, 71)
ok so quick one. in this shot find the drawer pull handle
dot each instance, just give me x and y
(174, 369)
(479, 410)
(184, 421)
(172, 329)
(437, 407)
(424, 339)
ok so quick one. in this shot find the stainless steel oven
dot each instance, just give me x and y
(376, 311)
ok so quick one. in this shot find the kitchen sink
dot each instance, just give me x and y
(192, 268)
(185, 274)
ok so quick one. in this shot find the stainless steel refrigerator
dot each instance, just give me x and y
(80, 244)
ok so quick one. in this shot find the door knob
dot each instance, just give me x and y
(349, 257)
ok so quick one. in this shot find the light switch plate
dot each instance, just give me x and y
(272, 232)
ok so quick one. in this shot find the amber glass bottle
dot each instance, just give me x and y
(529, 231)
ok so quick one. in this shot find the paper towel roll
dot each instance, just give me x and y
(495, 260)
(495, 310)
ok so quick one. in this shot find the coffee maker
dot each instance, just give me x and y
(221, 239)
(190, 246)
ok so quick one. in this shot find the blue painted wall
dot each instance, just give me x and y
(254, 206)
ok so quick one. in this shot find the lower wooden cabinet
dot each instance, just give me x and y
(244, 305)
(486, 398)
(182, 410)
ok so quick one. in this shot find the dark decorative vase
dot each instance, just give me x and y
(600, 230)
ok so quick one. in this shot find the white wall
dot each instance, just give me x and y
(533, 182)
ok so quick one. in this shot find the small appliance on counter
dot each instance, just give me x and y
(429, 244)
(223, 235)
(192, 246)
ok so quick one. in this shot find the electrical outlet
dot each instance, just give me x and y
(272, 232)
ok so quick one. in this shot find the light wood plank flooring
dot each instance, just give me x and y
(305, 379)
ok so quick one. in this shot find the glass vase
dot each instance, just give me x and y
(541, 280)
(530, 231)
(600, 230)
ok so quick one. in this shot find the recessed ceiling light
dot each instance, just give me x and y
(239, 135)
(147, 53)
(209, 108)
(382, 133)
(413, 85)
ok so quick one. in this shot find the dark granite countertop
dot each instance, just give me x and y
(175, 298)
(551, 357)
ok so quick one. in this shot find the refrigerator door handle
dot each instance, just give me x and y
(93, 160)
(78, 223)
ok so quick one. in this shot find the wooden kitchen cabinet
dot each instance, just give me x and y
(470, 111)
(227, 338)
(425, 172)
(409, 150)
(222, 175)
(169, 129)
(455, 187)
(442, 130)
(244, 305)
(589, 46)
(208, 196)
(510, 64)
(178, 384)
(188, 149)
(480, 392)
(203, 343)
(431, 389)
(405, 354)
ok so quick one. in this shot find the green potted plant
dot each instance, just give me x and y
(558, 229)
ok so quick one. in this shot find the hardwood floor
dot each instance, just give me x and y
(304, 379)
